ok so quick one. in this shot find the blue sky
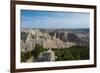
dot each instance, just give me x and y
(54, 19)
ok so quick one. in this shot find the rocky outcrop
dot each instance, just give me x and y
(46, 56)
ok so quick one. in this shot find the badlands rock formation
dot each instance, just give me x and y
(49, 39)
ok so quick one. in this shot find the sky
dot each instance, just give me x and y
(54, 19)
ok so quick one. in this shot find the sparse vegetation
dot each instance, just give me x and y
(38, 50)
(26, 56)
(63, 54)
(72, 53)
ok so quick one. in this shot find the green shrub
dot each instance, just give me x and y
(26, 56)
(72, 53)
(38, 50)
